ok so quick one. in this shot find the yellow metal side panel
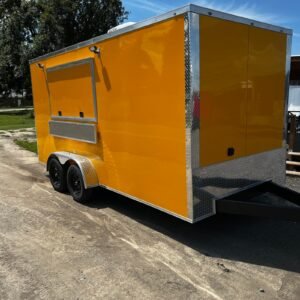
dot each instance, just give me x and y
(140, 88)
(142, 114)
(71, 91)
(223, 74)
(265, 105)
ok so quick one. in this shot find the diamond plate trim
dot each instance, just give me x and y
(85, 165)
(220, 180)
(192, 112)
(188, 112)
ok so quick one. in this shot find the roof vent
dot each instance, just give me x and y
(120, 26)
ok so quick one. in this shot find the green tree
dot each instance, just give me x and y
(96, 17)
(30, 28)
(11, 41)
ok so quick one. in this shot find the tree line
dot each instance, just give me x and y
(30, 28)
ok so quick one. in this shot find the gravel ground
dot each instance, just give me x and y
(293, 182)
(26, 133)
(115, 248)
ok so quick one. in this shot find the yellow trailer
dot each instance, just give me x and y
(176, 112)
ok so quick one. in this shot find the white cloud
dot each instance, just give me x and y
(152, 6)
(247, 10)
(296, 34)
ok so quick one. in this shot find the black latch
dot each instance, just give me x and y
(230, 151)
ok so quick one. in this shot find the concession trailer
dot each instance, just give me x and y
(184, 112)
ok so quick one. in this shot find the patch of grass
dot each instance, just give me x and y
(16, 121)
(27, 145)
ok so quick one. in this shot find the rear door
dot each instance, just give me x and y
(266, 94)
(223, 90)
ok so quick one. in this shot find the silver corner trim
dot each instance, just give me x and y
(88, 171)
(75, 131)
(189, 187)
(195, 88)
(148, 204)
(234, 18)
(71, 64)
(192, 102)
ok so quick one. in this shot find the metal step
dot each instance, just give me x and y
(294, 153)
(292, 173)
(293, 163)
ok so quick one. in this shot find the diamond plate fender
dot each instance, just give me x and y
(88, 171)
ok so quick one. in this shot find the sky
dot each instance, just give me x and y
(285, 13)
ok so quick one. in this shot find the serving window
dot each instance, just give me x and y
(72, 91)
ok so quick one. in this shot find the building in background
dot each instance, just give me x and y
(294, 113)
(294, 94)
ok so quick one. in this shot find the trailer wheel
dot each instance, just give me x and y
(57, 175)
(76, 186)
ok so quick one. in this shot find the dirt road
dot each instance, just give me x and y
(54, 248)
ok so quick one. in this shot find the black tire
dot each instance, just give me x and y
(57, 175)
(76, 186)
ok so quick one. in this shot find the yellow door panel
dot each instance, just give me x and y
(266, 82)
(142, 114)
(71, 90)
(223, 90)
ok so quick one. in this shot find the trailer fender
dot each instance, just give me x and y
(85, 165)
